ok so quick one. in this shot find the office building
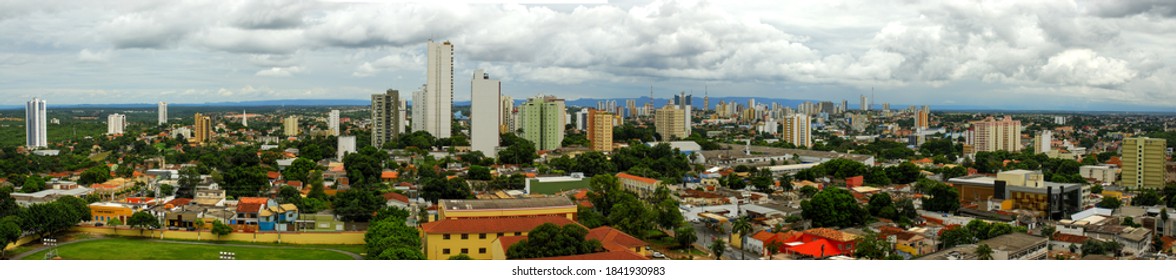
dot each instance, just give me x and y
(202, 129)
(485, 122)
(36, 135)
(386, 117)
(995, 135)
(798, 130)
(290, 126)
(333, 122)
(506, 114)
(1143, 162)
(346, 145)
(162, 110)
(1019, 190)
(922, 117)
(432, 106)
(669, 122)
(827, 107)
(115, 124)
(543, 119)
(600, 130)
(687, 105)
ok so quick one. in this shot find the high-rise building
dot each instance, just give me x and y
(244, 118)
(581, 118)
(631, 106)
(333, 122)
(432, 110)
(798, 130)
(995, 135)
(922, 118)
(600, 130)
(705, 103)
(115, 123)
(290, 126)
(687, 107)
(669, 122)
(865, 103)
(36, 135)
(1143, 162)
(506, 116)
(828, 108)
(543, 120)
(844, 105)
(202, 127)
(485, 121)
(162, 110)
(345, 146)
(386, 117)
(886, 106)
(1042, 142)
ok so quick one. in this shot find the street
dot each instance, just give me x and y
(706, 235)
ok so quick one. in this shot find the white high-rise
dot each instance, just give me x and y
(432, 109)
(865, 103)
(35, 130)
(345, 146)
(115, 124)
(162, 113)
(333, 122)
(485, 99)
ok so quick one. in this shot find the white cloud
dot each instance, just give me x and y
(279, 71)
(93, 56)
(1085, 67)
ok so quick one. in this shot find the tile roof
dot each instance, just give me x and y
(614, 239)
(507, 241)
(272, 174)
(492, 225)
(763, 236)
(248, 207)
(257, 200)
(389, 175)
(487, 204)
(180, 201)
(831, 234)
(610, 255)
(624, 175)
(1069, 238)
(388, 196)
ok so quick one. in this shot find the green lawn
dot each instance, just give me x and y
(556, 187)
(99, 157)
(139, 249)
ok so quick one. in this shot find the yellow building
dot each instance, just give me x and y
(600, 130)
(923, 118)
(797, 130)
(1143, 162)
(452, 209)
(643, 187)
(104, 212)
(475, 237)
(670, 123)
(202, 129)
(290, 126)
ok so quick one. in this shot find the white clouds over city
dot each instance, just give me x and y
(910, 52)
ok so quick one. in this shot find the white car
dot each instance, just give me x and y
(658, 255)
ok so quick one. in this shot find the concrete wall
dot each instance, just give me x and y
(346, 237)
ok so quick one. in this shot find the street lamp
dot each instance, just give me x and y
(52, 243)
(228, 255)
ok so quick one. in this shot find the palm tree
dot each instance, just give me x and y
(199, 227)
(983, 252)
(718, 247)
(742, 226)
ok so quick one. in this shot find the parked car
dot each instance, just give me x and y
(98, 224)
(658, 255)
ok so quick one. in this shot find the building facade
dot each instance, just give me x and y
(115, 124)
(202, 129)
(485, 122)
(162, 110)
(600, 130)
(543, 121)
(385, 117)
(333, 122)
(669, 122)
(1143, 162)
(990, 135)
(922, 118)
(290, 126)
(433, 112)
(36, 135)
(798, 130)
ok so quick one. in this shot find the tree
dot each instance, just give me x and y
(9, 232)
(94, 175)
(166, 190)
(742, 226)
(940, 198)
(1096, 189)
(440, 188)
(390, 238)
(199, 227)
(518, 150)
(298, 170)
(478, 172)
(78, 208)
(317, 190)
(114, 222)
(954, 172)
(808, 191)
(871, 246)
(1148, 197)
(593, 163)
(189, 178)
(881, 201)
(33, 184)
(983, 252)
(1109, 203)
(685, 235)
(357, 204)
(460, 257)
(833, 207)
(124, 171)
(762, 184)
(143, 221)
(220, 229)
(718, 247)
(956, 236)
(550, 240)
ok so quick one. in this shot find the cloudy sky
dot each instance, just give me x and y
(1015, 55)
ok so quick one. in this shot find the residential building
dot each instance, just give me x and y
(617, 245)
(990, 135)
(455, 209)
(865, 103)
(686, 104)
(506, 116)
(543, 121)
(1103, 173)
(115, 124)
(643, 187)
(386, 123)
(1143, 162)
(922, 117)
(333, 122)
(798, 130)
(290, 126)
(432, 109)
(48, 195)
(474, 237)
(249, 211)
(600, 130)
(485, 122)
(104, 212)
(1042, 143)
(209, 197)
(1017, 246)
(669, 122)
(346, 145)
(36, 135)
(202, 129)
(162, 110)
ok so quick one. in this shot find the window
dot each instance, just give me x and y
(481, 236)
(445, 251)
(500, 234)
(518, 233)
(446, 237)
(465, 236)
(481, 250)
(465, 251)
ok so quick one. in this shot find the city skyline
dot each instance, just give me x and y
(1055, 55)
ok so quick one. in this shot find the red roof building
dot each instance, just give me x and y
(609, 255)
(491, 225)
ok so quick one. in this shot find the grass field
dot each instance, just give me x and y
(556, 187)
(139, 249)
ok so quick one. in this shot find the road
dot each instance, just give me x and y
(706, 237)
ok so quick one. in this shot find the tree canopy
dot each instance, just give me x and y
(833, 207)
(550, 240)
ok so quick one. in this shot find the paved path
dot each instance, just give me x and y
(43, 248)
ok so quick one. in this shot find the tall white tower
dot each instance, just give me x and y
(485, 97)
(35, 130)
(115, 124)
(162, 113)
(435, 103)
(333, 122)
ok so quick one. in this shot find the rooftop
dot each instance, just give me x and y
(624, 175)
(736, 151)
(474, 204)
(1013, 242)
(492, 225)
(610, 255)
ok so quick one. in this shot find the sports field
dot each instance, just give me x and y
(147, 249)
(556, 187)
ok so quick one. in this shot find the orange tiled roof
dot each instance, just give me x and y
(256, 200)
(507, 241)
(610, 255)
(248, 207)
(492, 225)
(395, 196)
(832, 234)
(272, 174)
(1069, 238)
(179, 201)
(763, 236)
(614, 239)
(624, 175)
(389, 175)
